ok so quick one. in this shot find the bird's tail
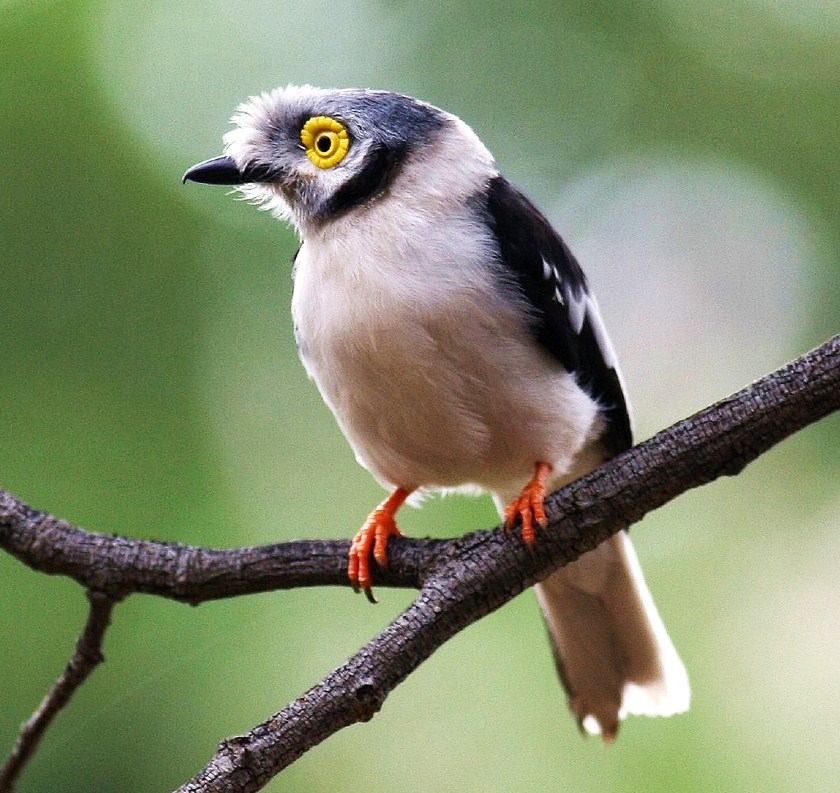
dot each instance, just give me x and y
(612, 651)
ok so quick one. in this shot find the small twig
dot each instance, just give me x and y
(87, 657)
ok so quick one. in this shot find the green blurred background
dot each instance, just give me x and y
(689, 151)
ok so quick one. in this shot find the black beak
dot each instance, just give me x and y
(223, 170)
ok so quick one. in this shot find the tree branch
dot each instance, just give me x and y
(121, 566)
(86, 658)
(460, 579)
(484, 570)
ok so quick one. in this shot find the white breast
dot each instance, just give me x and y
(424, 361)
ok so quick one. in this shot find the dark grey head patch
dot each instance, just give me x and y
(391, 119)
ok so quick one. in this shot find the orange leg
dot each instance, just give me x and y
(528, 505)
(374, 534)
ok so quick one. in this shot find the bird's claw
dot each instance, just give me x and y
(528, 506)
(372, 540)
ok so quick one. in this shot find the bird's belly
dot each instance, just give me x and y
(444, 398)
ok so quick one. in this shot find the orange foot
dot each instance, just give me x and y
(528, 505)
(374, 534)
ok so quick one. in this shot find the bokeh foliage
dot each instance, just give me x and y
(690, 153)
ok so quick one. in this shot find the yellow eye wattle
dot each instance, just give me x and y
(326, 141)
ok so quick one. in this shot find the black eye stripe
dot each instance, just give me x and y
(378, 169)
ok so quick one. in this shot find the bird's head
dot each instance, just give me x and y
(314, 155)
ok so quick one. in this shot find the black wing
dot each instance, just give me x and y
(566, 320)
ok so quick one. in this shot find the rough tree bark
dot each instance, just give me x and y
(460, 580)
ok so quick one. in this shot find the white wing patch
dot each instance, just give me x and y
(548, 270)
(579, 308)
(600, 330)
(585, 306)
(552, 274)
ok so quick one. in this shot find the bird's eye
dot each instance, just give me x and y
(326, 141)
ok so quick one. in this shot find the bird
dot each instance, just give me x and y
(456, 340)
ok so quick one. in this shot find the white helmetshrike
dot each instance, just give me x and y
(454, 337)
